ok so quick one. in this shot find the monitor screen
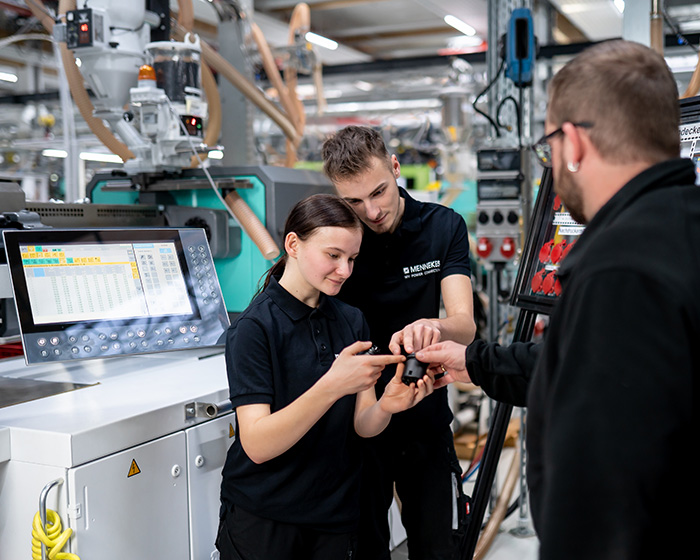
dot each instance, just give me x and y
(94, 293)
(72, 282)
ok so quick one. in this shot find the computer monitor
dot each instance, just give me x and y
(95, 293)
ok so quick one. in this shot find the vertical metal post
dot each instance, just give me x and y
(42, 508)
(524, 528)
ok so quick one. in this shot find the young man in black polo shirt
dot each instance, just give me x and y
(412, 255)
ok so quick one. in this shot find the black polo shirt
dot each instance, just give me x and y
(275, 351)
(396, 280)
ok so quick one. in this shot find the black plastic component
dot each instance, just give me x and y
(413, 370)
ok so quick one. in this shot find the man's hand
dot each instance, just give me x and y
(417, 335)
(448, 358)
(398, 396)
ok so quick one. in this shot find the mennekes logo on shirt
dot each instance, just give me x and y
(417, 270)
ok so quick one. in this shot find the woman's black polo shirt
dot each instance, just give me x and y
(275, 351)
(396, 280)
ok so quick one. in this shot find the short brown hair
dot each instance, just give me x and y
(349, 152)
(629, 94)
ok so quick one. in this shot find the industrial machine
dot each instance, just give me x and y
(124, 410)
(115, 425)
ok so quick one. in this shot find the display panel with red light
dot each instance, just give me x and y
(193, 125)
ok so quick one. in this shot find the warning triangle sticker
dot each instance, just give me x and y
(231, 431)
(134, 469)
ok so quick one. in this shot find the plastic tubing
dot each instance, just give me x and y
(273, 73)
(252, 225)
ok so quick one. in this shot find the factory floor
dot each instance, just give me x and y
(515, 538)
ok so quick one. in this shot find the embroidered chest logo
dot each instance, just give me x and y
(417, 270)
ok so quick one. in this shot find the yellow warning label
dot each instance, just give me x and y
(231, 431)
(134, 469)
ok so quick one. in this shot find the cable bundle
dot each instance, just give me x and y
(51, 536)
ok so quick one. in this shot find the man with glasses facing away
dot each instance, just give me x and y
(610, 390)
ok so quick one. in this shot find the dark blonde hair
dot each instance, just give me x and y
(629, 94)
(309, 214)
(349, 152)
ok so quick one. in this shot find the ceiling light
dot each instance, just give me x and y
(459, 25)
(321, 41)
(463, 42)
(8, 77)
(216, 154)
(85, 156)
(104, 158)
(362, 85)
(620, 5)
(50, 152)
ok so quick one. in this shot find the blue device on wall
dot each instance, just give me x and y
(520, 48)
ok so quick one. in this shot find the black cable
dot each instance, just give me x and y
(679, 34)
(488, 87)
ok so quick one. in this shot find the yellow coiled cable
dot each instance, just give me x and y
(53, 538)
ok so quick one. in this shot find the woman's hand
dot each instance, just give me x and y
(398, 396)
(352, 372)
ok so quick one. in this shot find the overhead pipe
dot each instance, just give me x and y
(299, 24)
(656, 28)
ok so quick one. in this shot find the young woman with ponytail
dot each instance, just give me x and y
(302, 386)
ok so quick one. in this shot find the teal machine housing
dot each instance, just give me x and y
(187, 199)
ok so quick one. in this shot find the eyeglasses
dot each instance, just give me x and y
(543, 150)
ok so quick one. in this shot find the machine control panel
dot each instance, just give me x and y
(85, 28)
(498, 211)
(83, 294)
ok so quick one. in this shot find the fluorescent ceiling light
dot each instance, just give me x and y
(85, 156)
(321, 41)
(362, 85)
(459, 25)
(463, 42)
(8, 77)
(620, 5)
(50, 152)
(216, 154)
(104, 158)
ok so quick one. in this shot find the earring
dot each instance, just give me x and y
(573, 166)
